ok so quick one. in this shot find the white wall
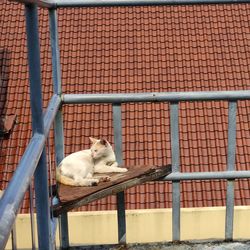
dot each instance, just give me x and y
(149, 225)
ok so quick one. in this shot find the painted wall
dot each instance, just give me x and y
(151, 225)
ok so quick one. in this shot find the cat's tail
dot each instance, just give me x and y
(64, 179)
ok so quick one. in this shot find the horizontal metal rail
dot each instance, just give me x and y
(229, 175)
(40, 3)
(107, 3)
(156, 97)
(94, 3)
(18, 185)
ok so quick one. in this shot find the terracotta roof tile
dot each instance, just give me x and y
(138, 49)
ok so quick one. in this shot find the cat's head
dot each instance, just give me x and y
(99, 148)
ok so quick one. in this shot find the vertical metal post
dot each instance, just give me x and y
(56, 66)
(58, 125)
(232, 113)
(41, 173)
(121, 216)
(175, 154)
(32, 221)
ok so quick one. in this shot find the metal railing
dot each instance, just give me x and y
(33, 161)
(174, 98)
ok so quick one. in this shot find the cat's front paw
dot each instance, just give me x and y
(105, 178)
(123, 170)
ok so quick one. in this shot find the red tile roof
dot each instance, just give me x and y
(138, 49)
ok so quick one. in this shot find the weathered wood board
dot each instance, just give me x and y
(72, 197)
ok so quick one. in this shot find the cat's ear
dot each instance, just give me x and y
(93, 140)
(104, 142)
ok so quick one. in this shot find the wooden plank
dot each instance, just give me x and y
(72, 197)
(69, 193)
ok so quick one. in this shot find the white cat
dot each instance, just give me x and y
(77, 169)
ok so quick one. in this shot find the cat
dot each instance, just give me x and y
(77, 169)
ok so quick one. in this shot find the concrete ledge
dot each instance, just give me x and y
(144, 226)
